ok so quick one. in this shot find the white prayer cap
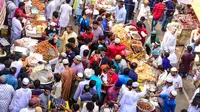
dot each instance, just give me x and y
(117, 40)
(96, 12)
(24, 53)
(88, 72)
(169, 80)
(135, 84)
(65, 61)
(88, 11)
(174, 69)
(78, 57)
(52, 24)
(63, 54)
(80, 74)
(174, 92)
(25, 81)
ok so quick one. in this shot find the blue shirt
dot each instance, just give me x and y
(170, 8)
(133, 75)
(71, 57)
(11, 80)
(117, 66)
(98, 83)
(166, 63)
(105, 26)
(122, 79)
(93, 91)
(169, 104)
(86, 97)
(84, 23)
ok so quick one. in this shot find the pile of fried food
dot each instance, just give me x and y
(145, 106)
(144, 71)
(119, 31)
(38, 4)
(45, 48)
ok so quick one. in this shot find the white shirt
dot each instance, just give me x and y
(51, 7)
(2, 66)
(56, 90)
(18, 65)
(83, 47)
(96, 108)
(177, 80)
(192, 108)
(162, 77)
(120, 14)
(17, 2)
(167, 90)
(169, 40)
(11, 7)
(136, 5)
(16, 26)
(144, 11)
(27, 110)
(156, 62)
(66, 12)
(122, 91)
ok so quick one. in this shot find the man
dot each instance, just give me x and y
(121, 63)
(128, 103)
(103, 58)
(186, 63)
(16, 28)
(87, 73)
(70, 53)
(57, 86)
(16, 64)
(144, 10)
(92, 87)
(177, 80)
(85, 46)
(65, 13)
(21, 97)
(169, 101)
(169, 13)
(105, 24)
(96, 78)
(169, 39)
(85, 61)
(6, 94)
(84, 21)
(86, 96)
(45, 98)
(74, 44)
(88, 33)
(113, 92)
(50, 8)
(20, 10)
(115, 49)
(67, 77)
(123, 78)
(155, 60)
(33, 102)
(141, 31)
(11, 7)
(132, 74)
(158, 12)
(96, 29)
(112, 76)
(101, 13)
(77, 64)
(120, 13)
(6, 70)
(11, 79)
(131, 6)
(124, 88)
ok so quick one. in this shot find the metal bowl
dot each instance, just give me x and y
(145, 101)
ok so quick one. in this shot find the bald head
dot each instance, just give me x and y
(2, 80)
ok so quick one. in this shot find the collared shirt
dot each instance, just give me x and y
(11, 80)
(177, 80)
(97, 32)
(19, 11)
(80, 88)
(112, 79)
(84, 23)
(86, 97)
(90, 36)
(6, 94)
(70, 57)
(44, 101)
(56, 90)
(120, 14)
(98, 83)
(78, 68)
(66, 12)
(169, 104)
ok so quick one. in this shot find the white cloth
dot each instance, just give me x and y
(177, 80)
(18, 65)
(144, 11)
(27, 110)
(156, 62)
(162, 77)
(120, 14)
(129, 100)
(65, 13)
(169, 40)
(192, 108)
(56, 90)
(122, 91)
(172, 57)
(51, 7)
(2, 66)
(83, 47)
(167, 90)
(11, 8)
(17, 2)
(122, 65)
(21, 99)
(16, 30)
(136, 5)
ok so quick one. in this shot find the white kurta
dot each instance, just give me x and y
(169, 40)
(51, 7)
(18, 65)
(16, 30)
(56, 90)
(83, 47)
(11, 8)
(66, 12)
(192, 108)
(120, 14)
(172, 57)
(17, 2)
(144, 11)
(122, 91)
(177, 80)
(156, 62)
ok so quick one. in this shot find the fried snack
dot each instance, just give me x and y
(119, 30)
(45, 48)
(145, 106)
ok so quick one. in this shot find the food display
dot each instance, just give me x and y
(145, 106)
(119, 30)
(48, 51)
(40, 6)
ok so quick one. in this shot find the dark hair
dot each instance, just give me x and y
(86, 88)
(71, 40)
(7, 63)
(95, 22)
(160, 0)
(110, 63)
(69, 46)
(99, 19)
(47, 87)
(142, 19)
(12, 57)
(92, 83)
(110, 104)
(21, 4)
(108, 15)
(133, 65)
(101, 37)
(129, 83)
(55, 14)
(70, 27)
(166, 54)
(75, 106)
(95, 98)
(184, 110)
(139, 24)
(97, 71)
(189, 48)
(97, 52)
(126, 71)
(104, 49)
(87, 41)
(18, 15)
(101, 11)
(86, 52)
(161, 67)
(13, 70)
(94, 65)
(80, 37)
(57, 77)
(113, 66)
(90, 106)
(109, 34)
(68, 1)
(36, 83)
(88, 28)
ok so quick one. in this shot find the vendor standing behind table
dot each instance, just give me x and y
(20, 10)
(144, 10)
(51, 34)
(120, 12)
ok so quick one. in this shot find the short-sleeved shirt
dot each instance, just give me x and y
(122, 79)
(11, 80)
(51, 34)
(112, 79)
(84, 23)
(70, 57)
(158, 10)
(90, 36)
(169, 104)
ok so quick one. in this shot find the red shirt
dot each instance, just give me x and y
(19, 11)
(113, 50)
(140, 32)
(90, 36)
(158, 10)
(112, 79)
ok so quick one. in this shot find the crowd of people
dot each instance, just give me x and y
(91, 72)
